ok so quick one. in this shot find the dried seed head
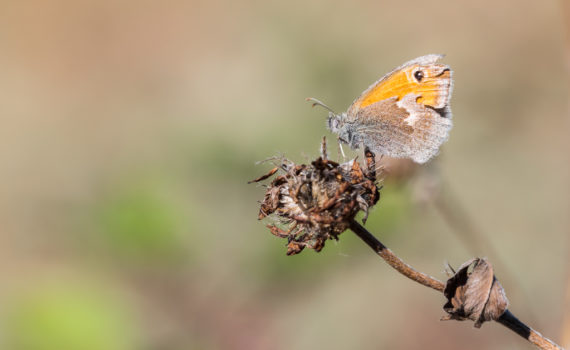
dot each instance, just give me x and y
(475, 295)
(316, 202)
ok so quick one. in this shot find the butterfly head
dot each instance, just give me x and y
(338, 124)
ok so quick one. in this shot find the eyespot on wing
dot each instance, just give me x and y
(433, 87)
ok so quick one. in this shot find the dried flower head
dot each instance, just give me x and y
(316, 202)
(476, 295)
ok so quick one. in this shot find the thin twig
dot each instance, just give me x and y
(393, 260)
(507, 319)
(514, 324)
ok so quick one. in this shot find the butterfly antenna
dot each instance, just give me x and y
(319, 103)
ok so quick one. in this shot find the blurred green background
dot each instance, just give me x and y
(130, 128)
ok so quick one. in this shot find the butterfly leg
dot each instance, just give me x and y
(364, 149)
(341, 151)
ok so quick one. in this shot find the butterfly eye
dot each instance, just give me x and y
(419, 75)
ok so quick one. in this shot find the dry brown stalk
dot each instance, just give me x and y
(507, 319)
(316, 202)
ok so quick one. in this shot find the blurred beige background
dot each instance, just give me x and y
(130, 128)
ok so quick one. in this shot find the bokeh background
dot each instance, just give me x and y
(130, 128)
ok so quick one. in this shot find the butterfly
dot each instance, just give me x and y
(405, 114)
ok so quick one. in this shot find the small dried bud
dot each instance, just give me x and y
(316, 202)
(475, 295)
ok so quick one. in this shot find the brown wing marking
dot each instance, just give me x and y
(385, 127)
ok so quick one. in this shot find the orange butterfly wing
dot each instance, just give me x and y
(433, 87)
(405, 114)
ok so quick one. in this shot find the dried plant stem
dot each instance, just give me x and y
(507, 319)
(511, 322)
(393, 260)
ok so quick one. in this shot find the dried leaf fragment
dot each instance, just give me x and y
(476, 295)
